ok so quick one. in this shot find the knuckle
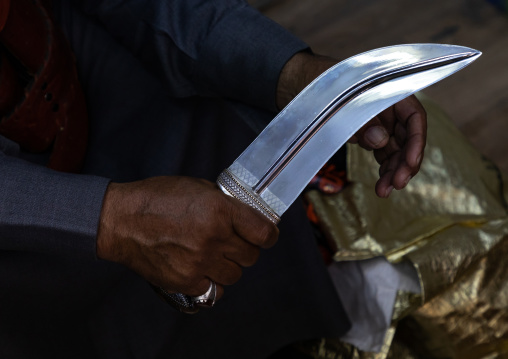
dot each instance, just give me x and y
(199, 287)
(193, 274)
(268, 234)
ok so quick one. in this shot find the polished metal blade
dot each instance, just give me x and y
(281, 161)
(272, 172)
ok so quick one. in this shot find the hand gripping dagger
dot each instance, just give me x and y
(272, 172)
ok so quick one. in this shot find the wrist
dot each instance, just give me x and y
(105, 248)
(298, 72)
(290, 79)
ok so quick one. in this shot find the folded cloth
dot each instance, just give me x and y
(450, 223)
(368, 291)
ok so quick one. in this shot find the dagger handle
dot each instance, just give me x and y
(234, 187)
(231, 186)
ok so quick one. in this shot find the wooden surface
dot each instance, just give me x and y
(476, 98)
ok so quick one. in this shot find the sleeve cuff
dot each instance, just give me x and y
(243, 56)
(48, 211)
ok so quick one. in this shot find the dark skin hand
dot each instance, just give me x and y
(397, 136)
(179, 233)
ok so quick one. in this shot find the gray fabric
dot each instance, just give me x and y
(47, 211)
(65, 304)
(222, 48)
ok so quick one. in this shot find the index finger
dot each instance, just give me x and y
(253, 226)
(411, 113)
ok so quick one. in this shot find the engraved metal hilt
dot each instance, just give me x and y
(232, 186)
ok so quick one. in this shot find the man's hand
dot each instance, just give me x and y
(397, 135)
(179, 233)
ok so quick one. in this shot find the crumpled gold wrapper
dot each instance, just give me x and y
(451, 222)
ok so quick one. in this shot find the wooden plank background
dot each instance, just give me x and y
(476, 98)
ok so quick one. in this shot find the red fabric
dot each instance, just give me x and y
(51, 113)
(11, 91)
(4, 11)
(26, 33)
(329, 180)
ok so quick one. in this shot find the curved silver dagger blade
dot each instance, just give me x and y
(281, 161)
(272, 172)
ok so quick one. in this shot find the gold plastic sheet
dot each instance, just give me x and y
(451, 222)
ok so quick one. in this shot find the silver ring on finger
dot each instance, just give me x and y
(207, 299)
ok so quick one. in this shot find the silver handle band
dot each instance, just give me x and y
(233, 187)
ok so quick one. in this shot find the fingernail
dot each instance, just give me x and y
(407, 180)
(388, 191)
(419, 159)
(375, 135)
